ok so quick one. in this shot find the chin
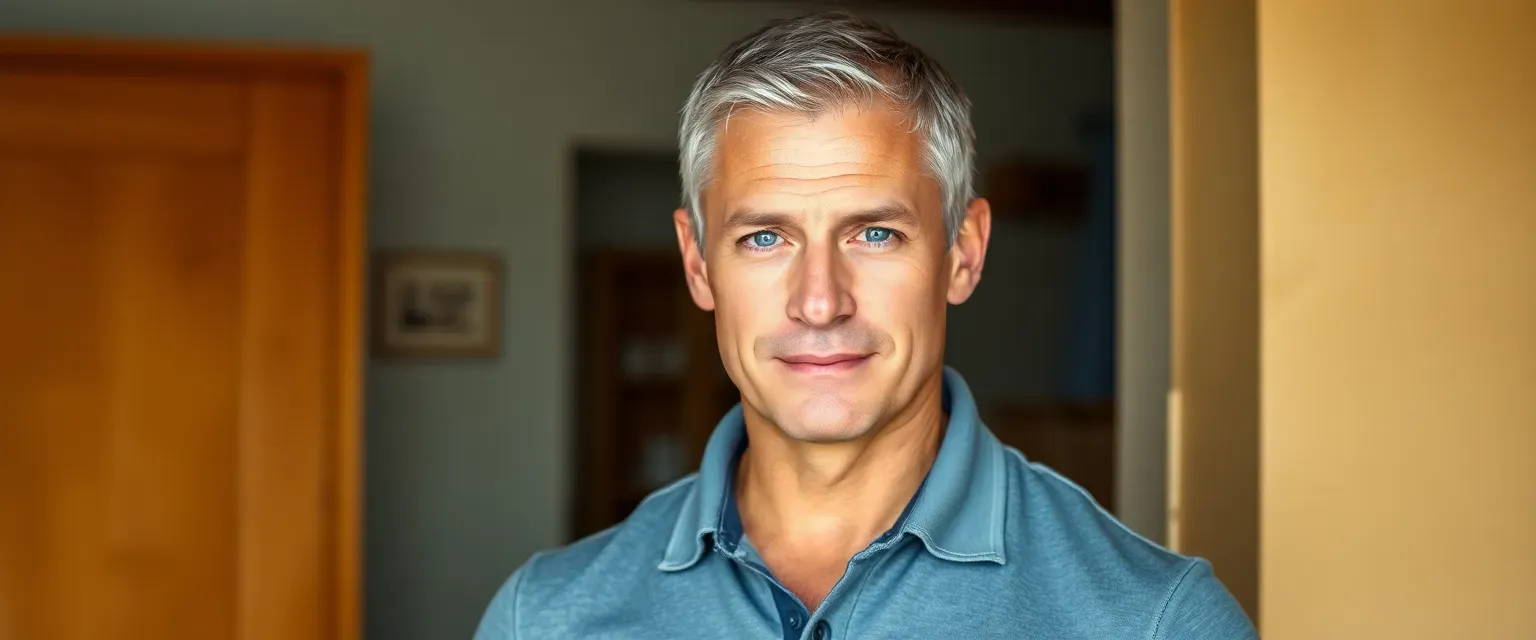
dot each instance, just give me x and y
(826, 419)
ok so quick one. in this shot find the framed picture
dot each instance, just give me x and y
(436, 304)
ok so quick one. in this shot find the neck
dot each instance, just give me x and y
(835, 498)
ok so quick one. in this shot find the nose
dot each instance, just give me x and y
(820, 293)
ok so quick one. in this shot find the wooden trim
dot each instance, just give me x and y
(352, 237)
(287, 401)
(349, 69)
(1215, 366)
(348, 63)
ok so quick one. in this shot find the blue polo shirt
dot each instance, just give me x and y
(992, 546)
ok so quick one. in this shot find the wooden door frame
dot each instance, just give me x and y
(1213, 407)
(348, 68)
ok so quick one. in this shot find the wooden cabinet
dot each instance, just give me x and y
(651, 385)
(180, 266)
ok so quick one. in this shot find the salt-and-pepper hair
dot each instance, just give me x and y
(818, 63)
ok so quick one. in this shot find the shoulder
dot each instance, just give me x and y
(1199, 606)
(1056, 523)
(635, 544)
(1058, 516)
(597, 566)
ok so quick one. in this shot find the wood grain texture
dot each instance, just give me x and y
(181, 454)
(287, 367)
(116, 396)
(130, 112)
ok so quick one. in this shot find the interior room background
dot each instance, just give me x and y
(543, 130)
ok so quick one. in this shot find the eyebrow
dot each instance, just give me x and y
(885, 213)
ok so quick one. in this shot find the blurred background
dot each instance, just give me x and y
(534, 368)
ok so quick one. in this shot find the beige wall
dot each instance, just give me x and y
(1399, 318)
(1354, 276)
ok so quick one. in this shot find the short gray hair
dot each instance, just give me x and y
(816, 63)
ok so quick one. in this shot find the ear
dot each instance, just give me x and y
(969, 252)
(694, 269)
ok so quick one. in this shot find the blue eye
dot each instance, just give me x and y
(764, 239)
(877, 235)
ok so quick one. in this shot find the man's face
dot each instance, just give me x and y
(826, 264)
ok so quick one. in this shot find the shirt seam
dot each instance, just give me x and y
(1173, 591)
(944, 553)
(1116, 523)
(517, 592)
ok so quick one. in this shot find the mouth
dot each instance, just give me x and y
(829, 363)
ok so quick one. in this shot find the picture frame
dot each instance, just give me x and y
(436, 303)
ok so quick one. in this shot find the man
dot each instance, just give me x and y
(853, 493)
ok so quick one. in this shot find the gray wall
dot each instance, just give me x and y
(1145, 373)
(476, 106)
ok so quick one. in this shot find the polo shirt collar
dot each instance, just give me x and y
(958, 513)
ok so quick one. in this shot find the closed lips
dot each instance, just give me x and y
(822, 360)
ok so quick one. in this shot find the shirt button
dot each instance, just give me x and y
(823, 631)
(794, 620)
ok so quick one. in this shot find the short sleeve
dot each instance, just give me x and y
(1201, 608)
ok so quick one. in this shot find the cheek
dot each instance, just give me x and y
(905, 297)
(746, 306)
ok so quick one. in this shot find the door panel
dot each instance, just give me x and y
(178, 322)
(120, 280)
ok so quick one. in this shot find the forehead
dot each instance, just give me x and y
(797, 162)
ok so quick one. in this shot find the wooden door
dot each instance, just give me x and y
(180, 238)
